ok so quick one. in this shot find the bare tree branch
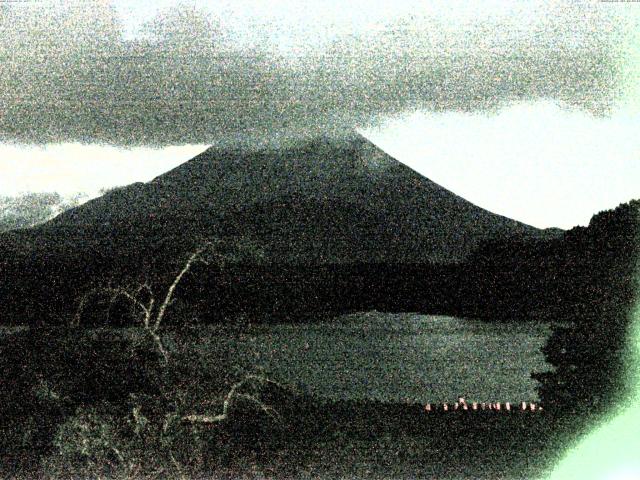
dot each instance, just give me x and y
(145, 305)
(168, 297)
(75, 322)
(146, 310)
(158, 342)
(232, 397)
(144, 286)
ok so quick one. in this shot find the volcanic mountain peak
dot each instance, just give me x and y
(320, 157)
(327, 200)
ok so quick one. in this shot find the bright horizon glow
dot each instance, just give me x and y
(534, 162)
(72, 168)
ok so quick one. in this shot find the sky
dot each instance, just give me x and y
(527, 109)
(535, 162)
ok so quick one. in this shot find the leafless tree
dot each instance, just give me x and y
(235, 395)
(151, 311)
(150, 308)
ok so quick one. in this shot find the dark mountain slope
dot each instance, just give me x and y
(327, 201)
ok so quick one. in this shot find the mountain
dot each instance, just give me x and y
(341, 224)
(327, 201)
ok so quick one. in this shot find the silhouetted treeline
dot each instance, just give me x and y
(563, 279)
(588, 347)
(583, 283)
(259, 293)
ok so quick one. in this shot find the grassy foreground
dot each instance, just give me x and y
(102, 403)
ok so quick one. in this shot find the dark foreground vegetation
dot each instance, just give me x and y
(102, 403)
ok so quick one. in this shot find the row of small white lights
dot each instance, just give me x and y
(461, 404)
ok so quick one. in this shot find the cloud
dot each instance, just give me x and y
(69, 168)
(70, 75)
(29, 209)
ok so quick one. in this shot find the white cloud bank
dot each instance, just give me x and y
(538, 163)
(76, 168)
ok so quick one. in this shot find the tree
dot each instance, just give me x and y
(246, 390)
(107, 406)
(587, 346)
(150, 308)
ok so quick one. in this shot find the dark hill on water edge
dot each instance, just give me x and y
(323, 203)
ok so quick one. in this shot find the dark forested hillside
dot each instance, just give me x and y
(553, 279)
(594, 314)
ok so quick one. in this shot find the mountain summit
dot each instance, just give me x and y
(325, 201)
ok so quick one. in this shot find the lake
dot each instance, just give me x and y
(388, 357)
(398, 357)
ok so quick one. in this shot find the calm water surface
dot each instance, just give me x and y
(390, 357)
(400, 357)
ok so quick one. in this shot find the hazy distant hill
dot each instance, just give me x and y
(326, 201)
(30, 209)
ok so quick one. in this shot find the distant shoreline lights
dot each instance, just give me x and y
(462, 405)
